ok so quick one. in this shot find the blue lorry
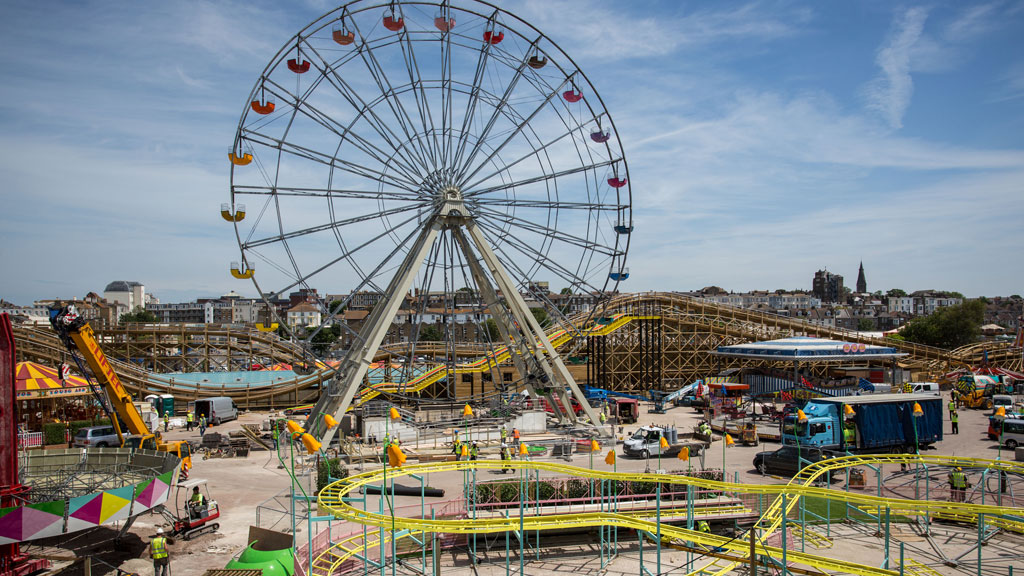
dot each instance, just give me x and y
(882, 423)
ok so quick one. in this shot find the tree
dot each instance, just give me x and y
(541, 315)
(948, 327)
(140, 315)
(491, 329)
(336, 306)
(896, 293)
(865, 325)
(323, 340)
(566, 291)
(430, 333)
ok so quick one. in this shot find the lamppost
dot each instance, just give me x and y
(662, 446)
(312, 446)
(684, 454)
(801, 420)
(1000, 418)
(594, 447)
(613, 501)
(524, 454)
(726, 442)
(398, 457)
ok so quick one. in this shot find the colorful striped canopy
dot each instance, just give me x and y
(33, 379)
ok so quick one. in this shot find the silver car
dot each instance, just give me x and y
(96, 437)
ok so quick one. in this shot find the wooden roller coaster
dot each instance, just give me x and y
(656, 337)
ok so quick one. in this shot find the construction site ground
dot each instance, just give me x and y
(241, 484)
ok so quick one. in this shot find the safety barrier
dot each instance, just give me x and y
(30, 440)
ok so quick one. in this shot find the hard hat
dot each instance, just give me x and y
(159, 530)
(959, 469)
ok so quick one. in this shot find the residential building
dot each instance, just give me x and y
(901, 304)
(131, 294)
(828, 287)
(303, 315)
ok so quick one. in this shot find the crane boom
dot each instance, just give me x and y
(120, 399)
(80, 340)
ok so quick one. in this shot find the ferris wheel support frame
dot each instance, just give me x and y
(450, 214)
(502, 322)
(552, 362)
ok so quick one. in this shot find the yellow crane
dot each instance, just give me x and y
(78, 337)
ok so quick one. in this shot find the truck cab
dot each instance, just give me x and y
(821, 428)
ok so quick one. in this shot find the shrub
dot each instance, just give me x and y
(53, 433)
(577, 488)
(328, 470)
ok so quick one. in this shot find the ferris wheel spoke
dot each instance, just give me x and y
(522, 125)
(336, 224)
(447, 114)
(394, 102)
(498, 108)
(571, 278)
(302, 279)
(334, 79)
(344, 133)
(422, 102)
(326, 193)
(531, 254)
(543, 177)
(533, 153)
(552, 233)
(474, 97)
(327, 160)
(550, 204)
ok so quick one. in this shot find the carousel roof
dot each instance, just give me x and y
(806, 348)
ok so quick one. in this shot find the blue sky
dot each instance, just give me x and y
(766, 140)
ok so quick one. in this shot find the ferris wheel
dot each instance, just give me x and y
(445, 161)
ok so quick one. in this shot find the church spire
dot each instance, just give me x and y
(862, 283)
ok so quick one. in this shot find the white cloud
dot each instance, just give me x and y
(973, 23)
(890, 93)
(598, 26)
(1011, 84)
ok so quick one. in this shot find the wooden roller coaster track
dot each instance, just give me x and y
(688, 329)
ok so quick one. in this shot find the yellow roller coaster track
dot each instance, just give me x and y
(332, 500)
(558, 337)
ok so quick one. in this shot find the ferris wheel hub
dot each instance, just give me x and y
(453, 209)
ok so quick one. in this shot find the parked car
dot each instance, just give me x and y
(993, 426)
(784, 460)
(97, 437)
(1013, 433)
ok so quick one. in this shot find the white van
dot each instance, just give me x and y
(1013, 433)
(217, 409)
(924, 388)
(1004, 400)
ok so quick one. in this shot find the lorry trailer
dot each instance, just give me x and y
(876, 423)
